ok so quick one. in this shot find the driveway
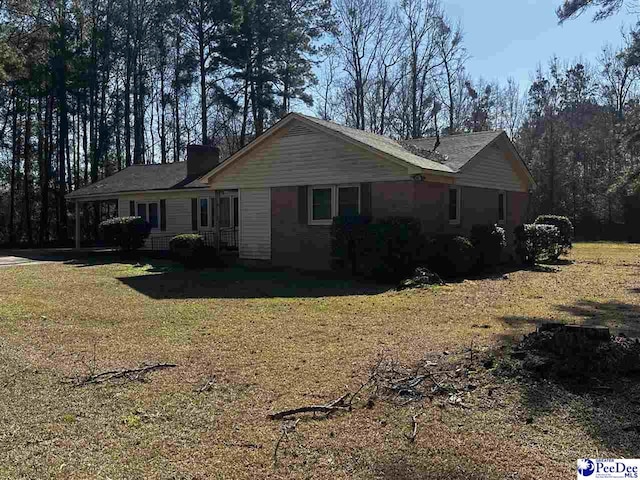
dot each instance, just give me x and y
(16, 257)
(10, 260)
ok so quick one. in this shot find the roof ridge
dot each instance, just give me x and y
(462, 134)
(154, 164)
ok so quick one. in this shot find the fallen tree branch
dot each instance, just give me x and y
(131, 374)
(285, 431)
(414, 429)
(308, 409)
(340, 404)
(208, 385)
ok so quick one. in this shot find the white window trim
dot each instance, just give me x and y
(504, 207)
(235, 222)
(455, 221)
(335, 189)
(310, 204)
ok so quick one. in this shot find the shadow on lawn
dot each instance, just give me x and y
(606, 408)
(620, 317)
(241, 282)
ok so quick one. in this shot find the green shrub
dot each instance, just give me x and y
(188, 248)
(489, 241)
(537, 242)
(386, 249)
(346, 234)
(126, 233)
(565, 228)
(451, 255)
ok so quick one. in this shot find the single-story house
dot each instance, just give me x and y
(275, 198)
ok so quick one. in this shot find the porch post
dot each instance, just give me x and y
(77, 224)
(216, 218)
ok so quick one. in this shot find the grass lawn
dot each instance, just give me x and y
(274, 341)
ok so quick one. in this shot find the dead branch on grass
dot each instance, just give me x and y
(414, 429)
(129, 374)
(335, 406)
(207, 386)
(339, 405)
(286, 429)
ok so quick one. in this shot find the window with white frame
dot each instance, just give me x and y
(454, 205)
(502, 207)
(328, 201)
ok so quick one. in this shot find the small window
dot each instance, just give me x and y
(235, 211)
(153, 215)
(204, 212)
(502, 207)
(348, 201)
(454, 206)
(212, 202)
(142, 211)
(322, 205)
(225, 212)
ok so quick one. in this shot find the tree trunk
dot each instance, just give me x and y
(63, 126)
(203, 76)
(27, 173)
(14, 166)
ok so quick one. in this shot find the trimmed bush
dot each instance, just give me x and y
(386, 249)
(346, 234)
(125, 233)
(489, 241)
(188, 248)
(565, 228)
(537, 242)
(451, 255)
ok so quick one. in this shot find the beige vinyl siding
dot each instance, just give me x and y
(300, 156)
(178, 209)
(255, 223)
(491, 169)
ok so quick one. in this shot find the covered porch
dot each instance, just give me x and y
(213, 214)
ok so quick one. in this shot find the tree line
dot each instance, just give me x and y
(89, 87)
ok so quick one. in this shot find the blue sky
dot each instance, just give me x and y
(511, 37)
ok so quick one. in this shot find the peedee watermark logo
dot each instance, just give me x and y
(600, 468)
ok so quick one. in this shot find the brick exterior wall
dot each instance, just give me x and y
(309, 247)
(293, 244)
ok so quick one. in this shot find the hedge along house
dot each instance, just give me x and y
(276, 198)
(303, 171)
(170, 197)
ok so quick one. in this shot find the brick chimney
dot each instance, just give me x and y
(201, 159)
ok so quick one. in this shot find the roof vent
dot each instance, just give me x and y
(201, 159)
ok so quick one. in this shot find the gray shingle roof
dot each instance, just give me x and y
(168, 176)
(457, 150)
(384, 144)
(452, 154)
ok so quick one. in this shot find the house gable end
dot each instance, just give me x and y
(496, 166)
(299, 153)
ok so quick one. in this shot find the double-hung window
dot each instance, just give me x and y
(149, 212)
(328, 201)
(502, 207)
(154, 215)
(454, 206)
(204, 212)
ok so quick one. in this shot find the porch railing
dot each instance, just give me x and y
(228, 240)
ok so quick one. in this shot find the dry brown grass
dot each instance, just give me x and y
(274, 341)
